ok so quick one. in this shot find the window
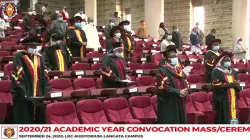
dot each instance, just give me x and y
(199, 16)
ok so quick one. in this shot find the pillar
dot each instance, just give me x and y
(240, 25)
(154, 15)
(90, 9)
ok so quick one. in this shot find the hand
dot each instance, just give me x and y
(107, 74)
(236, 84)
(184, 92)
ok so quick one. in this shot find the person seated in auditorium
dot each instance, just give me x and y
(28, 21)
(115, 35)
(127, 38)
(226, 88)
(29, 79)
(210, 57)
(172, 90)
(108, 28)
(57, 56)
(92, 35)
(114, 68)
(40, 33)
(76, 38)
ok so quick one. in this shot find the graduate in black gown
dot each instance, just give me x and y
(114, 68)
(76, 38)
(57, 55)
(127, 38)
(225, 89)
(40, 34)
(29, 79)
(209, 58)
(170, 81)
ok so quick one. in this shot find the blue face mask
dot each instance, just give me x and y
(174, 61)
(81, 12)
(216, 48)
(176, 30)
(78, 24)
(227, 64)
(60, 19)
(118, 54)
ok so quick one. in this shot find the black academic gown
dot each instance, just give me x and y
(225, 95)
(170, 106)
(76, 41)
(29, 79)
(128, 43)
(38, 36)
(57, 57)
(209, 59)
(108, 64)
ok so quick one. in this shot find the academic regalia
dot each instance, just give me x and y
(34, 34)
(225, 94)
(76, 41)
(209, 59)
(29, 78)
(118, 67)
(58, 57)
(115, 64)
(127, 39)
(170, 106)
(128, 43)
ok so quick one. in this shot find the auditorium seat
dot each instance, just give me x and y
(244, 109)
(137, 52)
(5, 91)
(4, 53)
(246, 96)
(80, 66)
(199, 69)
(193, 116)
(94, 54)
(15, 38)
(194, 79)
(61, 84)
(91, 112)
(145, 81)
(242, 77)
(84, 83)
(202, 103)
(7, 69)
(142, 109)
(61, 113)
(134, 66)
(117, 111)
(156, 58)
(148, 65)
(239, 65)
(7, 45)
(96, 66)
(154, 102)
(99, 83)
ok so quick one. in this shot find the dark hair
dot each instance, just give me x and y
(161, 24)
(213, 30)
(142, 21)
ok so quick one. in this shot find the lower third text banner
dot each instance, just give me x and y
(132, 132)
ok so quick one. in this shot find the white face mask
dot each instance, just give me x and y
(30, 13)
(118, 35)
(32, 50)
